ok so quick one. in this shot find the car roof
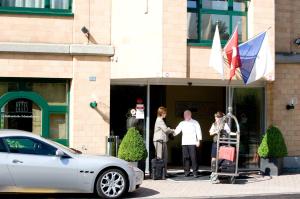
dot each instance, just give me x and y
(15, 132)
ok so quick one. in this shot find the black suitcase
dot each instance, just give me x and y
(226, 166)
(158, 170)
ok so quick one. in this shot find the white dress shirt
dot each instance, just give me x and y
(191, 132)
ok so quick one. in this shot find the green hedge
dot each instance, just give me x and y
(132, 147)
(272, 144)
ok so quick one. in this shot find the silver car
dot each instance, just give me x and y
(30, 163)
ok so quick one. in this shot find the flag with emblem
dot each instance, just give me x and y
(231, 51)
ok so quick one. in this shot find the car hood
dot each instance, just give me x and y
(102, 159)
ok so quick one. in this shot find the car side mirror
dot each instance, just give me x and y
(60, 153)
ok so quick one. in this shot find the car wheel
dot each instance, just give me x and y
(112, 184)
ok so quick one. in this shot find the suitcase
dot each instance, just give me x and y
(226, 166)
(158, 170)
(227, 153)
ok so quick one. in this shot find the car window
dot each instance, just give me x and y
(25, 145)
(2, 146)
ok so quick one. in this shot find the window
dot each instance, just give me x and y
(58, 127)
(25, 145)
(54, 93)
(203, 15)
(2, 146)
(55, 7)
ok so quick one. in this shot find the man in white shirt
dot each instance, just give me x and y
(191, 137)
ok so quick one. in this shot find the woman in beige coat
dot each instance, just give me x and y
(161, 135)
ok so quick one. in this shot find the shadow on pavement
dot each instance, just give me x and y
(46, 196)
(141, 192)
(179, 176)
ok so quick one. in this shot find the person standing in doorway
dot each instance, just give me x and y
(191, 138)
(161, 135)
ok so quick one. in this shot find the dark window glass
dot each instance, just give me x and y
(32, 146)
(2, 147)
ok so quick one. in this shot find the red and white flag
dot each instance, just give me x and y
(231, 51)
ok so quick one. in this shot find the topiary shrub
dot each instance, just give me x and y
(132, 147)
(272, 144)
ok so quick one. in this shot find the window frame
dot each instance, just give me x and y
(30, 138)
(61, 110)
(39, 11)
(230, 12)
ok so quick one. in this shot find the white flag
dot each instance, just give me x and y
(216, 55)
(270, 69)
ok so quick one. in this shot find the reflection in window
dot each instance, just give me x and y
(46, 4)
(2, 146)
(24, 145)
(208, 25)
(7, 86)
(58, 126)
(192, 25)
(215, 4)
(240, 21)
(226, 13)
(192, 3)
(248, 106)
(239, 5)
(53, 93)
(23, 3)
(59, 4)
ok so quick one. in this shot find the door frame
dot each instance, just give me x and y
(36, 98)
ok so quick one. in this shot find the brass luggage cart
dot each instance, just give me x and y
(232, 139)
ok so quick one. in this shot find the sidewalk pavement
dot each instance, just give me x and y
(202, 187)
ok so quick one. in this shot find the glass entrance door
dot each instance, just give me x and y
(248, 106)
(21, 114)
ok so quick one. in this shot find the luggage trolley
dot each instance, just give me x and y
(232, 140)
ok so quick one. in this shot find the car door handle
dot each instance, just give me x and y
(16, 161)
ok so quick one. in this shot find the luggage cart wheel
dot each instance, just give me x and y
(232, 179)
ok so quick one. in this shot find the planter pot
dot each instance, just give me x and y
(134, 164)
(142, 165)
(271, 166)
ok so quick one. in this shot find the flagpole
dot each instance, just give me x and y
(230, 102)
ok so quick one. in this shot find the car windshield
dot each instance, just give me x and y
(70, 150)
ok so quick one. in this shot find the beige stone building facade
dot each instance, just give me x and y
(57, 57)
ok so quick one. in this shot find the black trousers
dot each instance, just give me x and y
(189, 155)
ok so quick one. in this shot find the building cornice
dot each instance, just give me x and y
(64, 49)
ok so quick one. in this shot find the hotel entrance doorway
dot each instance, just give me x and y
(203, 101)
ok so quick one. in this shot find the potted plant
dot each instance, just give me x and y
(271, 151)
(133, 148)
